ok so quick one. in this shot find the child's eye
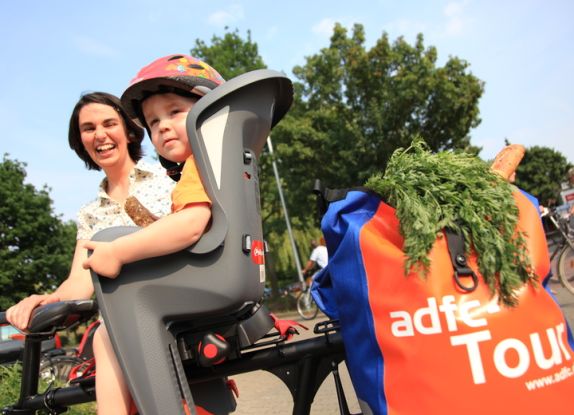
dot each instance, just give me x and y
(175, 111)
(152, 122)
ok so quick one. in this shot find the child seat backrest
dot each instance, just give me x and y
(223, 274)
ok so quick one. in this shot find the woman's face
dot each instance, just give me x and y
(103, 135)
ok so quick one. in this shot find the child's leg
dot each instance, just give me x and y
(112, 394)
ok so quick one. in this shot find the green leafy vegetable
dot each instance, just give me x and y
(431, 191)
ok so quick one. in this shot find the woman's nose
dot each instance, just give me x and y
(99, 133)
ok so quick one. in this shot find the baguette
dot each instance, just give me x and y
(508, 159)
(138, 212)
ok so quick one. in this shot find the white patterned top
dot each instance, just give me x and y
(148, 183)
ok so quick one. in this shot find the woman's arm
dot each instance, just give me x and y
(170, 234)
(78, 286)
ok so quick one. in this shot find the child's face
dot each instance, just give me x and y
(103, 135)
(165, 115)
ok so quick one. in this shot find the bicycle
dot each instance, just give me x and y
(306, 305)
(564, 251)
(302, 365)
(179, 338)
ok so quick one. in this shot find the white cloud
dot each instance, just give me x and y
(453, 9)
(455, 23)
(224, 17)
(324, 27)
(271, 32)
(93, 47)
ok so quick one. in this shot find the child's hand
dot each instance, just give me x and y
(104, 260)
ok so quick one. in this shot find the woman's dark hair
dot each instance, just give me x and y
(134, 132)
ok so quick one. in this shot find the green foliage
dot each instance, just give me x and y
(10, 377)
(448, 189)
(36, 247)
(540, 173)
(9, 384)
(354, 106)
(230, 55)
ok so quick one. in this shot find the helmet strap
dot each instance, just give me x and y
(172, 169)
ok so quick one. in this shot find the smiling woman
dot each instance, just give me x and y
(105, 138)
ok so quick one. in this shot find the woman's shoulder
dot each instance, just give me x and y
(88, 207)
(151, 176)
(146, 167)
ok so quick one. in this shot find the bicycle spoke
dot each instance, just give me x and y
(566, 268)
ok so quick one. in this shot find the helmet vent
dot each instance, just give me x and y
(175, 57)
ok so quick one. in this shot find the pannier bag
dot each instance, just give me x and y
(440, 343)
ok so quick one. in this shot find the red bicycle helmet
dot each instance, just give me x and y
(181, 72)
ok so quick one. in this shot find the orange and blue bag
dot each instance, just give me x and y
(441, 344)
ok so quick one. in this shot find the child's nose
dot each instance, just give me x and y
(164, 125)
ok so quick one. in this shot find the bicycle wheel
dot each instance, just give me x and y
(306, 306)
(58, 368)
(566, 268)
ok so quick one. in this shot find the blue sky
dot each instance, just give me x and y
(52, 51)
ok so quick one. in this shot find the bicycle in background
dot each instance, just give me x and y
(306, 305)
(564, 250)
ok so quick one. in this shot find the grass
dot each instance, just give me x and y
(10, 376)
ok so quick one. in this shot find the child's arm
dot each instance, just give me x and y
(170, 234)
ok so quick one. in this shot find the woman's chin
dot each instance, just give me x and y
(107, 159)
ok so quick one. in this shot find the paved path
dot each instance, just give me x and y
(263, 394)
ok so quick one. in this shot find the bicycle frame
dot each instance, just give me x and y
(176, 316)
(301, 365)
(563, 233)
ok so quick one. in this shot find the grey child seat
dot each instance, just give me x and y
(157, 310)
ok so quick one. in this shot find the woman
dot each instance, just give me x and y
(105, 138)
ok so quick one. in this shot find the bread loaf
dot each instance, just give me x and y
(138, 212)
(508, 159)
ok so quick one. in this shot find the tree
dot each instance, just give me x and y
(355, 106)
(540, 173)
(230, 55)
(36, 247)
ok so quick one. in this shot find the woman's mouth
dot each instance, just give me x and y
(105, 147)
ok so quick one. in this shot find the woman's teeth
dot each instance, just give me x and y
(105, 147)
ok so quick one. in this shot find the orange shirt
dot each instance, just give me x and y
(189, 189)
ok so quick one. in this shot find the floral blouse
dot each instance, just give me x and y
(148, 183)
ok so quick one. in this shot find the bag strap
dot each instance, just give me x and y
(455, 242)
(325, 195)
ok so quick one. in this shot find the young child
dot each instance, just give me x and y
(160, 97)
